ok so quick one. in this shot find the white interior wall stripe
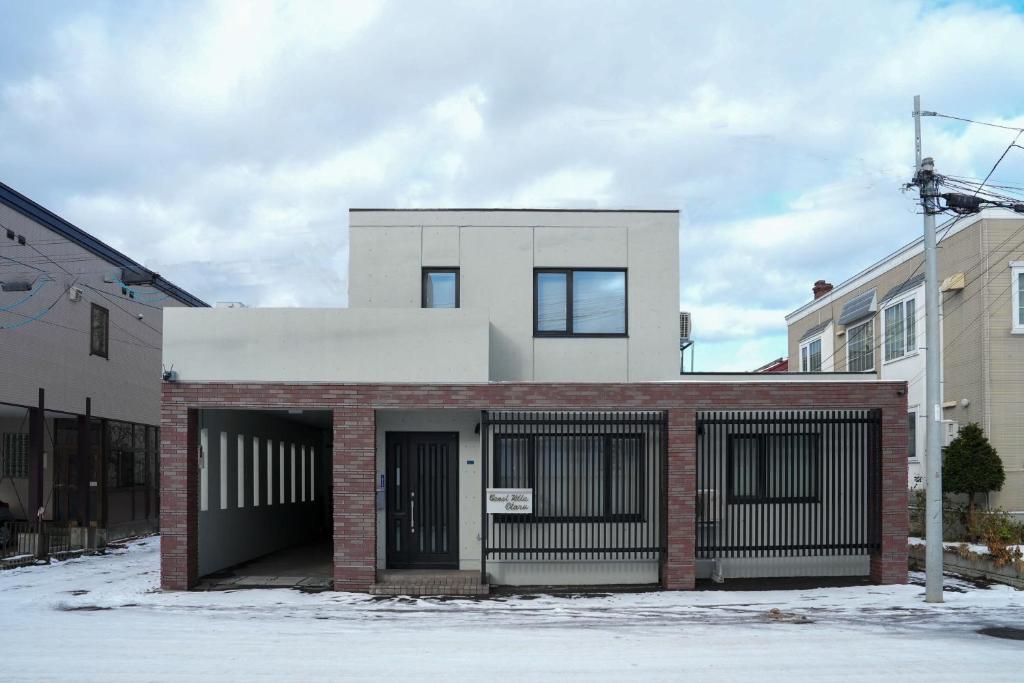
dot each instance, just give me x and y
(255, 471)
(222, 456)
(312, 473)
(204, 471)
(293, 472)
(302, 471)
(270, 471)
(240, 475)
(280, 468)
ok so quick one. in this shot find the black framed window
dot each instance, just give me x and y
(580, 302)
(99, 331)
(574, 477)
(774, 468)
(440, 288)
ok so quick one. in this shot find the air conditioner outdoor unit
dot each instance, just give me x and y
(707, 506)
(685, 325)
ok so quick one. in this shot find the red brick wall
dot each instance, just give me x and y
(354, 460)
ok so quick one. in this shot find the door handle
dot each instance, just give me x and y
(412, 512)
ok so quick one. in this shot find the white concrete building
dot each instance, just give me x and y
(496, 400)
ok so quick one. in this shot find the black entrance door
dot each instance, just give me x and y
(422, 499)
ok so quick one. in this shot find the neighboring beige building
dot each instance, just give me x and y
(874, 322)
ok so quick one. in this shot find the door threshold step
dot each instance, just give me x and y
(429, 589)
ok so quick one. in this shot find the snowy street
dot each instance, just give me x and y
(104, 619)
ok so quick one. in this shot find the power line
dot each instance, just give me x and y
(961, 302)
(37, 316)
(980, 123)
(999, 160)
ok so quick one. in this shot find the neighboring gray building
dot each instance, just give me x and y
(874, 322)
(80, 329)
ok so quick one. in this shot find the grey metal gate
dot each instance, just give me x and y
(598, 482)
(788, 483)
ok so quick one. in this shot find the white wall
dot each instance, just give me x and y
(910, 369)
(497, 251)
(326, 345)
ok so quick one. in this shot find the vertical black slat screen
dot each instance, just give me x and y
(788, 483)
(597, 479)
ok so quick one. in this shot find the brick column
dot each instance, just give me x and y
(179, 496)
(889, 565)
(678, 569)
(355, 511)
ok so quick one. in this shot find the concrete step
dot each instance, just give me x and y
(416, 582)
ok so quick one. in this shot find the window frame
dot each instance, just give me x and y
(761, 476)
(104, 351)
(568, 332)
(849, 335)
(424, 278)
(640, 475)
(907, 334)
(912, 435)
(1017, 297)
(806, 346)
(14, 455)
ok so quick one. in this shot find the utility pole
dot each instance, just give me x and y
(924, 178)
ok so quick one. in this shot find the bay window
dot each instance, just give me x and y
(900, 329)
(860, 347)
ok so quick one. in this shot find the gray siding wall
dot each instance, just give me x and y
(53, 352)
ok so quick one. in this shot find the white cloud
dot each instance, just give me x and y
(224, 142)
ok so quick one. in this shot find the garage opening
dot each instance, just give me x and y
(265, 499)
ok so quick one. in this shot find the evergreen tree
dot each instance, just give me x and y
(970, 465)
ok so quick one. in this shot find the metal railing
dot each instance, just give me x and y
(597, 481)
(788, 483)
(21, 538)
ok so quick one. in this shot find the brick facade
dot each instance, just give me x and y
(354, 467)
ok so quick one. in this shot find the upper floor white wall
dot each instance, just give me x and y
(497, 252)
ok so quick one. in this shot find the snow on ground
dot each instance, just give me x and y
(104, 619)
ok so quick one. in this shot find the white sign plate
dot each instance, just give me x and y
(510, 501)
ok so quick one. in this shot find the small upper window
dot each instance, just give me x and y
(1017, 286)
(440, 288)
(900, 329)
(860, 347)
(810, 356)
(99, 332)
(585, 302)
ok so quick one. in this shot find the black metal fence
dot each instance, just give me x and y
(788, 483)
(597, 480)
(18, 538)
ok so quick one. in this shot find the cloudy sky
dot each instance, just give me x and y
(222, 143)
